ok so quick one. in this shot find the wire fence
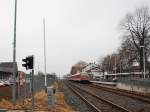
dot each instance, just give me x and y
(38, 85)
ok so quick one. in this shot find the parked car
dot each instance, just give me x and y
(2, 83)
(7, 82)
(10, 81)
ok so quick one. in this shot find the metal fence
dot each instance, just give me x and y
(38, 84)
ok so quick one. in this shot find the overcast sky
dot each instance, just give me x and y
(75, 30)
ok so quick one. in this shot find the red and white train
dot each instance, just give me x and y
(79, 77)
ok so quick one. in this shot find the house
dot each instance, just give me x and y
(92, 69)
(6, 70)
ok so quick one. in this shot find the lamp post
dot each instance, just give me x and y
(14, 58)
(115, 67)
(45, 55)
(143, 47)
(110, 64)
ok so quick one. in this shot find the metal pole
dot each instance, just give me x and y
(14, 58)
(25, 86)
(45, 54)
(144, 61)
(120, 63)
(143, 71)
(115, 66)
(32, 88)
(19, 86)
(110, 64)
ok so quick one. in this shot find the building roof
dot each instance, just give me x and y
(7, 67)
(91, 67)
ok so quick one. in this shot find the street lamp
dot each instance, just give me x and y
(142, 46)
(14, 58)
(45, 55)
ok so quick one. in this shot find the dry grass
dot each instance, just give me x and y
(60, 104)
(40, 103)
(40, 95)
(5, 104)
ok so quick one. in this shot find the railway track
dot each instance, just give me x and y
(132, 104)
(96, 102)
(142, 97)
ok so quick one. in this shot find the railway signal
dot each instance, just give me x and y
(25, 63)
(28, 62)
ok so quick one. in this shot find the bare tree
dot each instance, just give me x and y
(78, 67)
(136, 27)
(128, 54)
(110, 63)
(82, 63)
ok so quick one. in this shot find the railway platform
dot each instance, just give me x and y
(104, 83)
(135, 86)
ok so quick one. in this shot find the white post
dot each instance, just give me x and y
(45, 54)
(14, 58)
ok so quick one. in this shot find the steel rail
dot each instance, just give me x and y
(84, 99)
(104, 100)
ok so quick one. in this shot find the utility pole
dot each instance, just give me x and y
(45, 55)
(109, 64)
(14, 58)
(144, 61)
(120, 63)
(144, 72)
(115, 66)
